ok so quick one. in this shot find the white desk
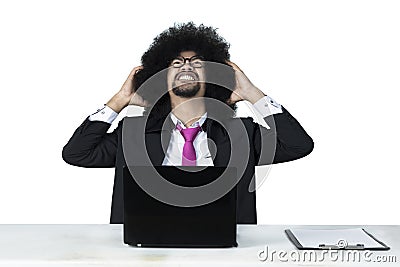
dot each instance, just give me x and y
(102, 245)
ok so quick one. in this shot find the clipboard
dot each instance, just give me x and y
(338, 239)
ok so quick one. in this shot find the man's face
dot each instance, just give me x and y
(184, 75)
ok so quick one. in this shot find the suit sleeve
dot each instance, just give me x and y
(91, 145)
(286, 140)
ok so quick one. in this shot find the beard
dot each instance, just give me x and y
(186, 90)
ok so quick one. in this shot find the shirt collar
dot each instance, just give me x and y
(199, 122)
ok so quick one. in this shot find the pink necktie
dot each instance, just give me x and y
(189, 154)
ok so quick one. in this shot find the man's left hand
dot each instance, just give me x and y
(244, 90)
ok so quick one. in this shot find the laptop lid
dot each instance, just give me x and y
(175, 206)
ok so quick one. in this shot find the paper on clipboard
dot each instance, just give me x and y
(335, 238)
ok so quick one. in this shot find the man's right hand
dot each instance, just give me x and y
(127, 95)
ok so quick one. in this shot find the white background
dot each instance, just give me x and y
(333, 64)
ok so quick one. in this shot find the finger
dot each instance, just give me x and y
(134, 71)
(233, 65)
(231, 101)
(235, 97)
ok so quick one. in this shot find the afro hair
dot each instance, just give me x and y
(201, 39)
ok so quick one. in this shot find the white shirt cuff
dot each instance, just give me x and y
(266, 106)
(105, 114)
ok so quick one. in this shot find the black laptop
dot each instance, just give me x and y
(166, 221)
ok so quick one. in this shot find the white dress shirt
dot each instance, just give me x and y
(266, 106)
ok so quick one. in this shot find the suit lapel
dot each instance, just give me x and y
(157, 138)
(221, 149)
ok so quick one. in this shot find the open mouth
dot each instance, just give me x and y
(187, 77)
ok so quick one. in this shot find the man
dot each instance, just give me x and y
(181, 126)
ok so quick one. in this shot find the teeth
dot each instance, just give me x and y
(186, 78)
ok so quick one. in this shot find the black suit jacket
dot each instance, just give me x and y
(92, 146)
